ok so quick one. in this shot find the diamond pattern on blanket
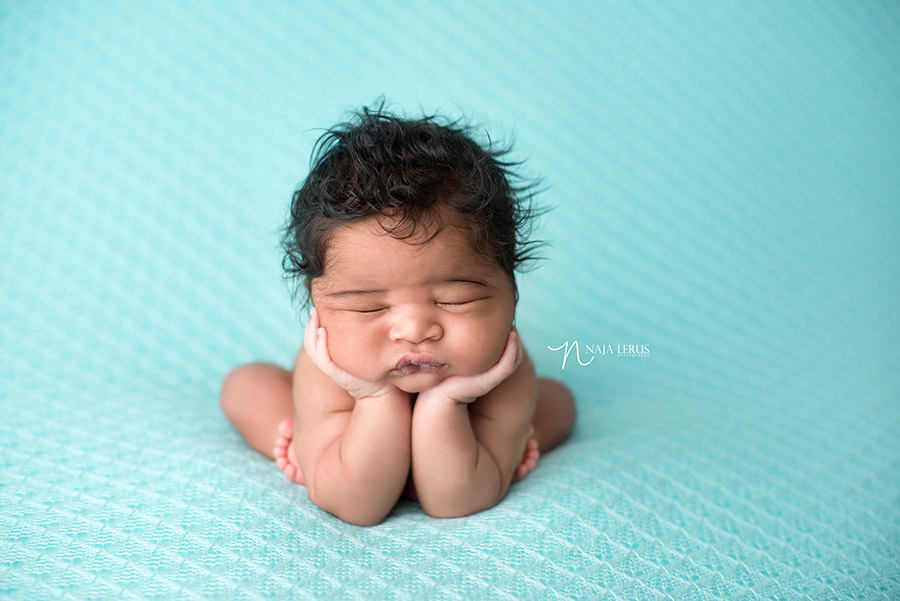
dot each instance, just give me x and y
(725, 191)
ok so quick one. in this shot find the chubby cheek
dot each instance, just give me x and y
(480, 345)
(348, 344)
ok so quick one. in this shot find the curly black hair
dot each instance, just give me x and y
(403, 172)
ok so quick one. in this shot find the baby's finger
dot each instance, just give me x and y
(330, 368)
(309, 336)
(322, 357)
(508, 362)
(520, 349)
(322, 351)
(316, 345)
(512, 354)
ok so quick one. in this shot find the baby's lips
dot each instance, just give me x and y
(407, 369)
(415, 363)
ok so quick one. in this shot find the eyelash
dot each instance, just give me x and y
(457, 304)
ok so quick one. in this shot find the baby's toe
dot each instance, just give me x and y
(285, 457)
(292, 471)
(521, 472)
(286, 428)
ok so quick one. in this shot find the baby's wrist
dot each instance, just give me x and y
(389, 393)
(439, 397)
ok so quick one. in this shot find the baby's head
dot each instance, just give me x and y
(406, 236)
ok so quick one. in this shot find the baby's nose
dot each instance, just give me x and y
(415, 326)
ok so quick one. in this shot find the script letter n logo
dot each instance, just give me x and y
(567, 347)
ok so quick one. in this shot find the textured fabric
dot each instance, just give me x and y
(727, 201)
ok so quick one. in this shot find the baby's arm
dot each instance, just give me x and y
(469, 434)
(352, 437)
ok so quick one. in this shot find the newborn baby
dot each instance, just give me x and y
(412, 379)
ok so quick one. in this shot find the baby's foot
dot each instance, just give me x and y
(285, 458)
(529, 458)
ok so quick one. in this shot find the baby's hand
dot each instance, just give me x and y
(465, 389)
(316, 344)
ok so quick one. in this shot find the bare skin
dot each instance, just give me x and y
(412, 380)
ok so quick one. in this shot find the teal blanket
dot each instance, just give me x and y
(721, 290)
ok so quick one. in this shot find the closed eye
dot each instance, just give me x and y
(459, 303)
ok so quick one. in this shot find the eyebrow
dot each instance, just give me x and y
(355, 292)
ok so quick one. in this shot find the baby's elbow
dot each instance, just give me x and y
(460, 497)
(359, 517)
(352, 512)
(445, 512)
(458, 511)
(459, 507)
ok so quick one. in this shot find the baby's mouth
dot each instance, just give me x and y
(412, 364)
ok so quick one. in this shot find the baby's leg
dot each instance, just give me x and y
(256, 398)
(554, 415)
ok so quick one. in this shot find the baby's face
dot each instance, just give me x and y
(411, 314)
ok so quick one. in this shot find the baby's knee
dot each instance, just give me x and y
(557, 394)
(236, 385)
(566, 402)
(555, 414)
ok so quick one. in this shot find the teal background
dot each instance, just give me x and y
(726, 183)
